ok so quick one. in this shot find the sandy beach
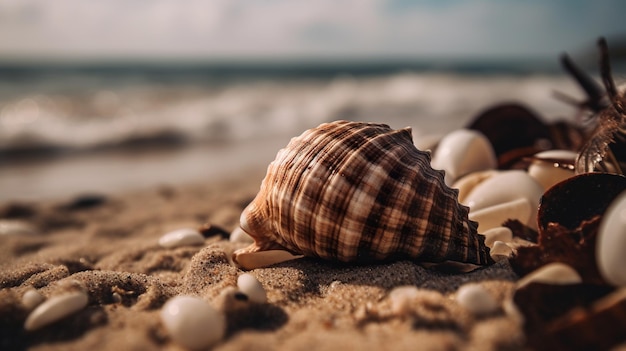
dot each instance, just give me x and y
(442, 189)
(84, 227)
(108, 246)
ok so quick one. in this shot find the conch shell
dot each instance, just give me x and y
(358, 192)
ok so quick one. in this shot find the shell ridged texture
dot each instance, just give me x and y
(358, 192)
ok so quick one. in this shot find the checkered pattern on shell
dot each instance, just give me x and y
(360, 192)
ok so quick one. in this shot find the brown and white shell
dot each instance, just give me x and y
(359, 192)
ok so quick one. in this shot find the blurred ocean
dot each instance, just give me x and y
(73, 129)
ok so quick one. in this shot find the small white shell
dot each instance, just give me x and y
(32, 298)
(498, 234)
(264, 258)
(466, 184)
(553, 273)
(611, 244)
(56, 308)
(461, 152)
(192, 322)
(181, 237)
(402, 298)
(249, 285)
(504, 187)
(494, 216)
(476, 299)
(500, 248)
(545, 173)
(16, 227)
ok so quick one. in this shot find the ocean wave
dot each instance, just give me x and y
(103, 114)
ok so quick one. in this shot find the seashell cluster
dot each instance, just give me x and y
(359, 192)
(495, 200)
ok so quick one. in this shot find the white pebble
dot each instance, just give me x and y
(192, 322)
(401, 298)
(250, 286)
(181, 237)
(500, 248)
(476, 299)
(506, 186)
(56, 308)
(494, 216)
(611, 244)
(15, 227)
(240, 236)
(461, 152)
(553, 273)
(32, 298)
(466, 184)
(545, 173)
(498, 234)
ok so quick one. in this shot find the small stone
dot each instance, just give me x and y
(32, 298)
(498, 234)
(401, 299)
(181, 237)
(476, 299)
(15, 210)
(56, 308)
(116, 297)
(193, 323)
(552, 273)
(85, 201)
(240, 236)
(461, 152)
(500, 248)
(250, 286)
(16, 227)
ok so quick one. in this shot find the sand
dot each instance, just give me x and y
(108, 246)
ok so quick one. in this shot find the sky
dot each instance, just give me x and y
(292, 29)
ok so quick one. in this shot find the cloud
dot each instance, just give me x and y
(288, 28)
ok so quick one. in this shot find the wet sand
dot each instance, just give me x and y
(120, 170)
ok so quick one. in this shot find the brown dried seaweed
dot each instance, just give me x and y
(522, 231)
(557, 243)
(542, 303)
(579, 198)
(572, 317)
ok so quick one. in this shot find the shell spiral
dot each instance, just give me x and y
(358, 192)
